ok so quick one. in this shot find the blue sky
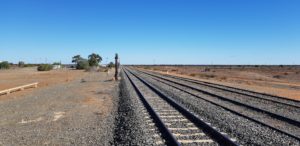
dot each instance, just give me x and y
(152, 31)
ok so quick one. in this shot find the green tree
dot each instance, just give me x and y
(94, 59)
(76, 59)
(4, 65)
(82, 64)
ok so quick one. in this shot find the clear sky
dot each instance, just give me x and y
(152, 31)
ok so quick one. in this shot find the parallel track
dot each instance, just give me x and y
(272, 114)
(165, 112)
(284, 119)
(249, 93)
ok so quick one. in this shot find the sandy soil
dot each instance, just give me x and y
(276, 80)
(22, 76)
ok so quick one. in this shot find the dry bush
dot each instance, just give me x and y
(286, 73)
(210, 76)
(206, 70)
(207, 75)
(147, 67)
(103, 69)
(193, 74)
(223, 78)
(45, 67)
(277, 76)
(174, 70)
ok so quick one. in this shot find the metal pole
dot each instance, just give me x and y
(116, 67)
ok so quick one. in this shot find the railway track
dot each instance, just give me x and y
(252, 94)
(177, 125)
(281, 111)
(279, 123)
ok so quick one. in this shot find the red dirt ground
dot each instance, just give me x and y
(22, 76)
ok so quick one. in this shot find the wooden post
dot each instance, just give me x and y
(116, 67)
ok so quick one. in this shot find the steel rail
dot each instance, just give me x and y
(212, 132)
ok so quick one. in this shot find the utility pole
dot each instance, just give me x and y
(116, 66)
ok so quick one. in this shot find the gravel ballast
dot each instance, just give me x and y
(130, 127)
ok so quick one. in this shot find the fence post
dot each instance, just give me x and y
(116, 66)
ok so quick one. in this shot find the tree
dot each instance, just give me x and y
(4, 65)
(56, 63)
(21, 64)
(76, 59)
(110, 65)
(94, 59)
(82, 64)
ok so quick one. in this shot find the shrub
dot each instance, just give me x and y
(277, 76)
(29, 65)
(207, 76)
(147, 67)
(206, 70)
(82, 64)
(193, 74)
(45, 67)
(4, 65)
(103, 69)
(223, 78)
(210, 76)
(21, 64)
(110, 65)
